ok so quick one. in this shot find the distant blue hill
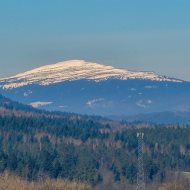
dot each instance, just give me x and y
(157, 118)
(89, 88)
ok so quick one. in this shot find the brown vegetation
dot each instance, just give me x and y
(181, 183)
(11, 182)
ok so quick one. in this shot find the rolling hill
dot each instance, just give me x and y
(90, 88)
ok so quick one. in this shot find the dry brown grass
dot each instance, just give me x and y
(174, 186)
(10, 182)
(180, 184)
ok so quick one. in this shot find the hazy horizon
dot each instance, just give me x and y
(139, 36)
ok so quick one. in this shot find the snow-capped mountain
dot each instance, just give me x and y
(76, 70)
(91, 88)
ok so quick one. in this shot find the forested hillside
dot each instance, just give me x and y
(87, 150)
(58, 148)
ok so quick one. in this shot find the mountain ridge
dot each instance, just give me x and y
(76, 70)
(166, 117)
(93, 89)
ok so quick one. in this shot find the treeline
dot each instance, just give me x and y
(82, 149)
(60, 127)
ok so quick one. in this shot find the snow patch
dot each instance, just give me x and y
(92, 103)
(63, 107)
(76, 70)
(150, 87)
(27, 93)
(133, 89)
(144, 103)
(39, 104)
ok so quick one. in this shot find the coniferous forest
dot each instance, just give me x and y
(94, 95)
(38, 145)
(84, 150)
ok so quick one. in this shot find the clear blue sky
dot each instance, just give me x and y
(134, 34)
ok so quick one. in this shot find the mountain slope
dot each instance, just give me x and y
(90, 88)
(11, 108)
(76, 70)
(158, 118)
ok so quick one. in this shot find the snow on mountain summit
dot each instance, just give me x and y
(75, 70)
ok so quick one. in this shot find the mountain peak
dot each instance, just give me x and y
(75, 70)
(70, 63)
(79, 63)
